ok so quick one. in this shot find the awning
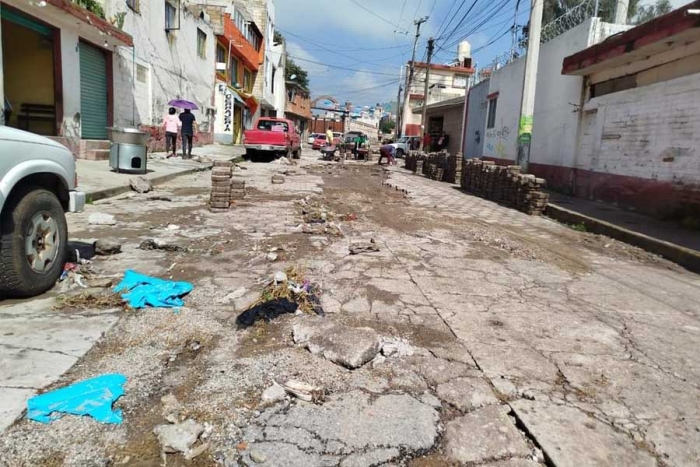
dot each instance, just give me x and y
(250, 101)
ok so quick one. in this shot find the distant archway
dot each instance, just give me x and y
(319, 102)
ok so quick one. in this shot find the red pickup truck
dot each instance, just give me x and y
(273, 137)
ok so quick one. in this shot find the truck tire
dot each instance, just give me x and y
(33, 242)
(399, 153)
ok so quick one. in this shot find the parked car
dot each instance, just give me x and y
(37, 187)
(320, 141)
(312, 137)
(273, 137)
(405, 144)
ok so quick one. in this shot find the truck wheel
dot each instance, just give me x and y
(33, 242)
(399, 153)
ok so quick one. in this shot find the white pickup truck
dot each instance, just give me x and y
(37, 186)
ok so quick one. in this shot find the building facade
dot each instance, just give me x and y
(174, 47)
(446, 82)
(298, 107)
(445, 118)
(58, 70)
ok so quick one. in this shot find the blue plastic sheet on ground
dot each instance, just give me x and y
(93, 397)
(143, 291)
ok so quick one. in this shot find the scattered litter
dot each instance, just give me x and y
(272, 257)
(349, 217)
(93, 397)
(274, 393)
(305, 392)
(142, 291)
(106, 247)
(363, 247)
(157, 244)
(178, 437)
(99, 218)
(88, 301)
(140, 184)
(266, 311)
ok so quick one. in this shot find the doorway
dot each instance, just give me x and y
(94, 113)
(29, 57)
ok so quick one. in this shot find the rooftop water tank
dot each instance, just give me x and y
(464, 50)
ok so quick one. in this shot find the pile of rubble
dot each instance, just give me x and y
(225, 190)
(436, 166)
(505, 185)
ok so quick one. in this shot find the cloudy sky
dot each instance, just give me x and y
(354, 49)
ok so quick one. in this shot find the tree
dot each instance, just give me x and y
(387, 125)
(292, 69)
(647, 13)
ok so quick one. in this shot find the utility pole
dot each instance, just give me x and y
(621, 7)
(527, 105)
(431, 47)
(418, 23)
(397, 128)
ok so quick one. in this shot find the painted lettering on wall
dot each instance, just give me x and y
(496, 142)
(228, 106)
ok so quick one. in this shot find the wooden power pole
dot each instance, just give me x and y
(431, 48)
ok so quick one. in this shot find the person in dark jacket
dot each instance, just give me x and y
(188, 129)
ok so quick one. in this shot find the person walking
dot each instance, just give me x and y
(387, 151)
(171, 124)
(188, 123)
(329, 137)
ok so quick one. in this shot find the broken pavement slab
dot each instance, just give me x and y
(346, 346)
(347, 429)
(467, 393)
(485, 434)
(572, 438)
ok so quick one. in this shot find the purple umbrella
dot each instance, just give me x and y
(183, 104)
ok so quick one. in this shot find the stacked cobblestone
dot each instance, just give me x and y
(436, 166)
(237, 190)
(220, 199)
(505, 185)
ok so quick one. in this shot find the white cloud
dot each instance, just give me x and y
(320, 17)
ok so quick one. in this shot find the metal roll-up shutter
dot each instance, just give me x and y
(93, 92)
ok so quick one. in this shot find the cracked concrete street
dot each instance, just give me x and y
(508, 340)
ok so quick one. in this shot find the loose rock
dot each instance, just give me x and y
(157, 244)
(258, 457)
(140, 184)
(107, 246)
(364, 247)
(99, 218)
(305, 392)
(346, 346)
(178, 437)
(274, 393)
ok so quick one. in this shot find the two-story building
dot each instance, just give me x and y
(298, 106)
(446, 82)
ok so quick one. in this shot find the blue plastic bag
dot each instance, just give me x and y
(143, 291)
(93, 397)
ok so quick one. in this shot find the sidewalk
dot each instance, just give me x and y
(98, 181)
(667, 239)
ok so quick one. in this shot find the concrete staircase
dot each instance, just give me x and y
(94, 149)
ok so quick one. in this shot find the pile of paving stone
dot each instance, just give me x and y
(505, 185)
(224, 188)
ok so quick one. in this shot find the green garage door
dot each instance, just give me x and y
(93, 92)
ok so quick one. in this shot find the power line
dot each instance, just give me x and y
(340, 67)
(452, 18)
(377, 15)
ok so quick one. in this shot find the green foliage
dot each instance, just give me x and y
(92, 6)
(579, 227)
(302, 77)
(387, 125)
(647, 13)
(278, 38)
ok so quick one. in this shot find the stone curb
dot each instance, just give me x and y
(689, 259)
(118, 190)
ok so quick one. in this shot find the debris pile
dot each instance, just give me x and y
(318, 219)
(286, 292)
(220, 186)
(505, 185)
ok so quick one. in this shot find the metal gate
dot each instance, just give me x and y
(93, 92)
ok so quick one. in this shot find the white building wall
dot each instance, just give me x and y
(650, 132)
(173, 68)
(279, 96)
(500, 142)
